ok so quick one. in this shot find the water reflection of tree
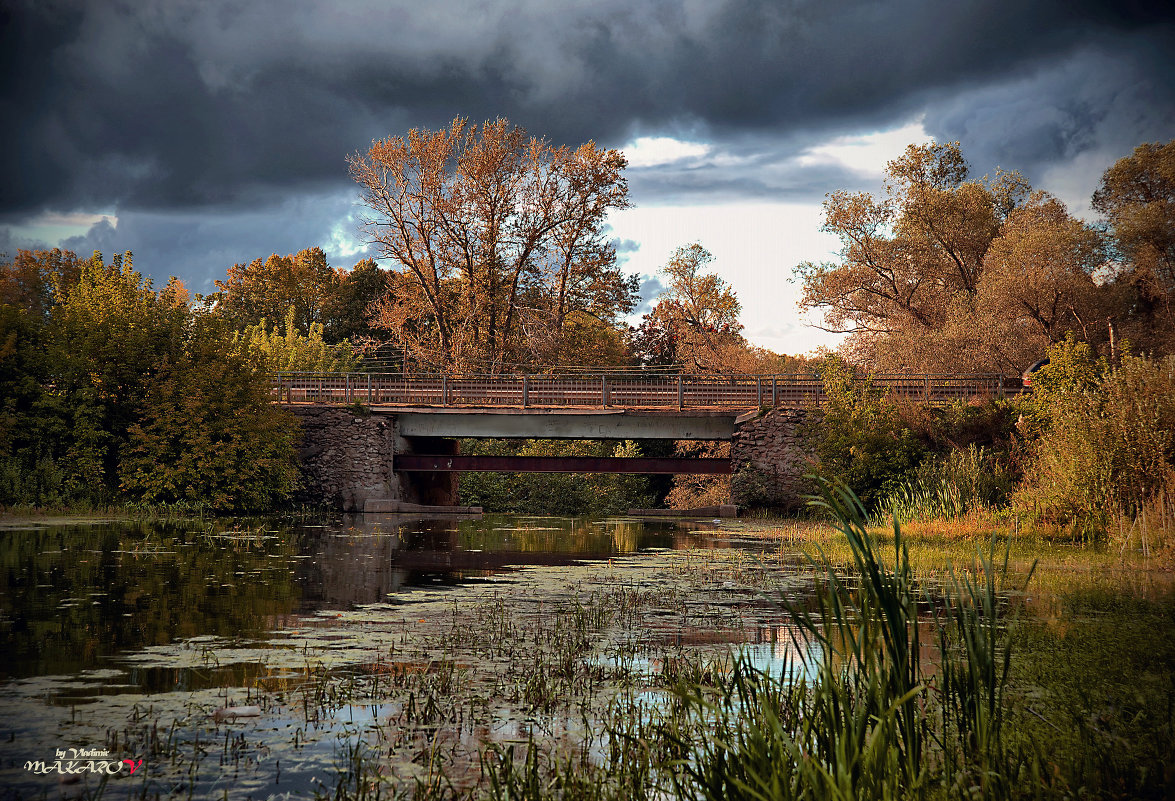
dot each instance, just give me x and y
(73, 595)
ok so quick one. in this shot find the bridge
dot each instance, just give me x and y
(627, 390)
(425, 414)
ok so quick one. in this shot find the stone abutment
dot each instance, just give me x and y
(349, 458)
(770, 455)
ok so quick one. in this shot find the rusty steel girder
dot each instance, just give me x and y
(558, 464)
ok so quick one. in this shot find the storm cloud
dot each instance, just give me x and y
(201, 118)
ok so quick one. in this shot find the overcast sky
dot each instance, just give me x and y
(200, 133)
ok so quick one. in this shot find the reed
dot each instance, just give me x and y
(857, 713)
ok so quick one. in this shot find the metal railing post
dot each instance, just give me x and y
(525, 391)
(774, 393)
(347, 389)
(369, 389)
(444, 390)
(926, 389)
(604, 389)
(680, 392)
(759, 392)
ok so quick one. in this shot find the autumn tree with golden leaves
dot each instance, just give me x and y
(501, 238)
(949, 273)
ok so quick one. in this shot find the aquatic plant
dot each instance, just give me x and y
(856, 713)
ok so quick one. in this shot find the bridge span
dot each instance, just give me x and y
(371, 437)
(618, 390)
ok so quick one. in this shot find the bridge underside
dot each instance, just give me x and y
(694, 424)
(559, 464)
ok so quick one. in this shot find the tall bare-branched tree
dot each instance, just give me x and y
(501, 237)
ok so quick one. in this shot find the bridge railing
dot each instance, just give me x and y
(613, 389)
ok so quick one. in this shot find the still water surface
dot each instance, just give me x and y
(74, 599)
(127, 636)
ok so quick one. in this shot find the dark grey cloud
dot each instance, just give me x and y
(650, 290)
(217, 130)
(184, 103)
(200, 245)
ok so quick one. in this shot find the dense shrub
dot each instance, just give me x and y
(861, 438)
(950, 485)
(1106, 443)
(113, 391)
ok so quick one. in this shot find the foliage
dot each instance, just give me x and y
(752, 488)
(500, 238)
(860, 437)
(949, 273)
(210, 434)
(274, 350)
(951, 485)
(305, 286)
(113, 391)
(695, 327)
(1107, 445)
(1037, 284)
(266, 289)
(1074, 370)
(345, 311)
(690, 490)
(906, 257)
(554, 493)
(1137, 195)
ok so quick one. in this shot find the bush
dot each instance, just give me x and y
(1107, 444)
(861, 438)
(951, 485)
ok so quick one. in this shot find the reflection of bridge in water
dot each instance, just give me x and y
(376, 557)
(427, 414)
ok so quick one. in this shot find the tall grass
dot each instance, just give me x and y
(857, 714)
(950, 486)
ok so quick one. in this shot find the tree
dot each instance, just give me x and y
(906, 258)
(346, 312)
(1137, 195)
(266, 288)
(209, 432)
(695, 323)
(106, 338)
(860, 438)
(110, 389)
(287, 349)
(1037, 285)
(500, 235)
(37, 280)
